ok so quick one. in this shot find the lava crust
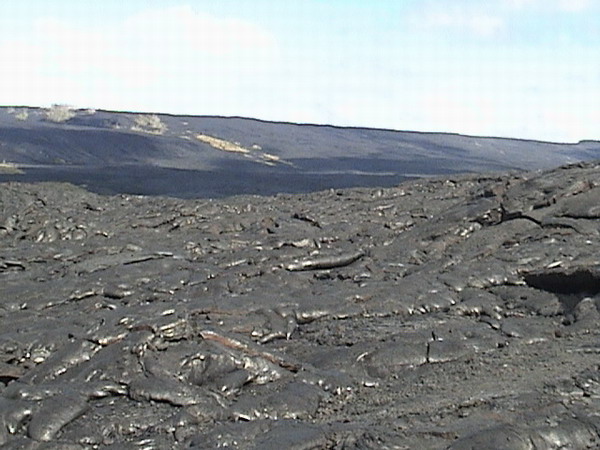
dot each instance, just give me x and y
(458, 312)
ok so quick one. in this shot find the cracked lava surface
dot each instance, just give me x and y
(457, 312)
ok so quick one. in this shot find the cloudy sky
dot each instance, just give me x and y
(514, 68)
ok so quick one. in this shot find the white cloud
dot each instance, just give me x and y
(161, 53)
(574, 5)
(195, 31)
(481, 25)
(477, 22)
(485, 25)
(552, 5)
(520, 4)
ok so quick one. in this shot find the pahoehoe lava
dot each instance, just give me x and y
(458, 312)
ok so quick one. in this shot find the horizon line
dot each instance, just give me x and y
(310, 124)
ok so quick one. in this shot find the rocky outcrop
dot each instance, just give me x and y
(453, 312)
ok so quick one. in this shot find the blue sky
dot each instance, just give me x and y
(513, 68)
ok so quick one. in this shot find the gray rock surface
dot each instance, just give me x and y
(457, 312)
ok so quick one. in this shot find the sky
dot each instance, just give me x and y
(526, 69)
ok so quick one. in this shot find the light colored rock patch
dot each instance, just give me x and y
(222, 144)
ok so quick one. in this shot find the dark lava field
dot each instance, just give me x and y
(458, 311)
(111, 152)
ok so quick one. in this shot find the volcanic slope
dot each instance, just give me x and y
(202, 156)
(457, 312)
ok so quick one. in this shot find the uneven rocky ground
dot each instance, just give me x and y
(445, 313)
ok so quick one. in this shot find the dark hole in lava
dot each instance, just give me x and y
(569, 286)
(582, 281)
(5, 379)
